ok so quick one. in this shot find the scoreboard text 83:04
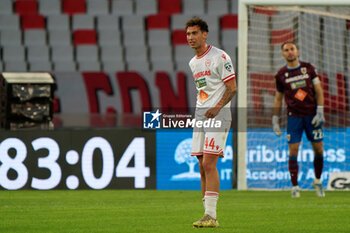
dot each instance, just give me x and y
(79, 159)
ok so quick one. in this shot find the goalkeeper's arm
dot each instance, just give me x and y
(277, 105)
(319, 117)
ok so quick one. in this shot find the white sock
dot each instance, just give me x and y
(317, 181)
(203, 201)
(211, 198)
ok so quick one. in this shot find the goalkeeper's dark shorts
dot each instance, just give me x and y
(296, 127)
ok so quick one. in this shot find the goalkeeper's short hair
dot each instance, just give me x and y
(288, 42)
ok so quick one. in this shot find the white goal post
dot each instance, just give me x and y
(243, 64)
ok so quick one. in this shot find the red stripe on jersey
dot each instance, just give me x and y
(232, 76)
(206, 51)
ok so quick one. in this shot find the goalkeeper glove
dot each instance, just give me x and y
(276, 126)
(319, 117)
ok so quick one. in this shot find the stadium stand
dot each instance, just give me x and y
(26, 7)
(6, 7)
(62, 53)
(74, 7)
(9, 22)
(58, 22)
(32, 22)
(82, 21)
(115, 34)
(84, 37)
(169, 7)
(146, 7)
(60, 37)
(122, 7)
(193, 7)
(52, 7)
(11, 37)
(217, 7)
(97, 7)
(34, 37)
(110, 37)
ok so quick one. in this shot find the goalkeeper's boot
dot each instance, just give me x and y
(319, 188)
(206, 221)
(295, 192)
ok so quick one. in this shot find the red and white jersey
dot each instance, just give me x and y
(210, 72)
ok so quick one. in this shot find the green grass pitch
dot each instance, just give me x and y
(171, 211)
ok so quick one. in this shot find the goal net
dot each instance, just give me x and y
(322, 34)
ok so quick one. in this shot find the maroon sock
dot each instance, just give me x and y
(293, 169)
(318, 165)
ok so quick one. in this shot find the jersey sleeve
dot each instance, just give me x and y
(279, 84)
(312, 72)
(225, 68)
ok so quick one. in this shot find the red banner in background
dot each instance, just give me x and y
(102, 99)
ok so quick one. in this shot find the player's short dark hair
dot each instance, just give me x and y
(288, 42)
(196, 21)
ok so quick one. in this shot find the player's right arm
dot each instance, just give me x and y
(277, 105)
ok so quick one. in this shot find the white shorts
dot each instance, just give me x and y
(210, 141)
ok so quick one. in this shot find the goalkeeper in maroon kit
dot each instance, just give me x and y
(298, 82)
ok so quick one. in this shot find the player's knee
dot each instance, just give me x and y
(318, 148)
(201, 169)
(318, 151)
(293, 149)
(208, 167)
(293, 152)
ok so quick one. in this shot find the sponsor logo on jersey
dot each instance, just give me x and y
(228, 67)
(200, 82)
(300, 95)
(202, 74)
(223, 56)
(297, 78)
(203, 96)
(298, 84)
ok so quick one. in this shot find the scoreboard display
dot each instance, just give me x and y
(77, 159)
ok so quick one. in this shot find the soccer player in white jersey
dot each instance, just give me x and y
(216, 85)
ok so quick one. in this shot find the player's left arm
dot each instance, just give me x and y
(231, 90)
(319, 117)
(319, 94)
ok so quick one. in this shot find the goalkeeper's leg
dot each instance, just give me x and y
(318, 165)
(294, 168)
(294, 134)
(315, 135)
